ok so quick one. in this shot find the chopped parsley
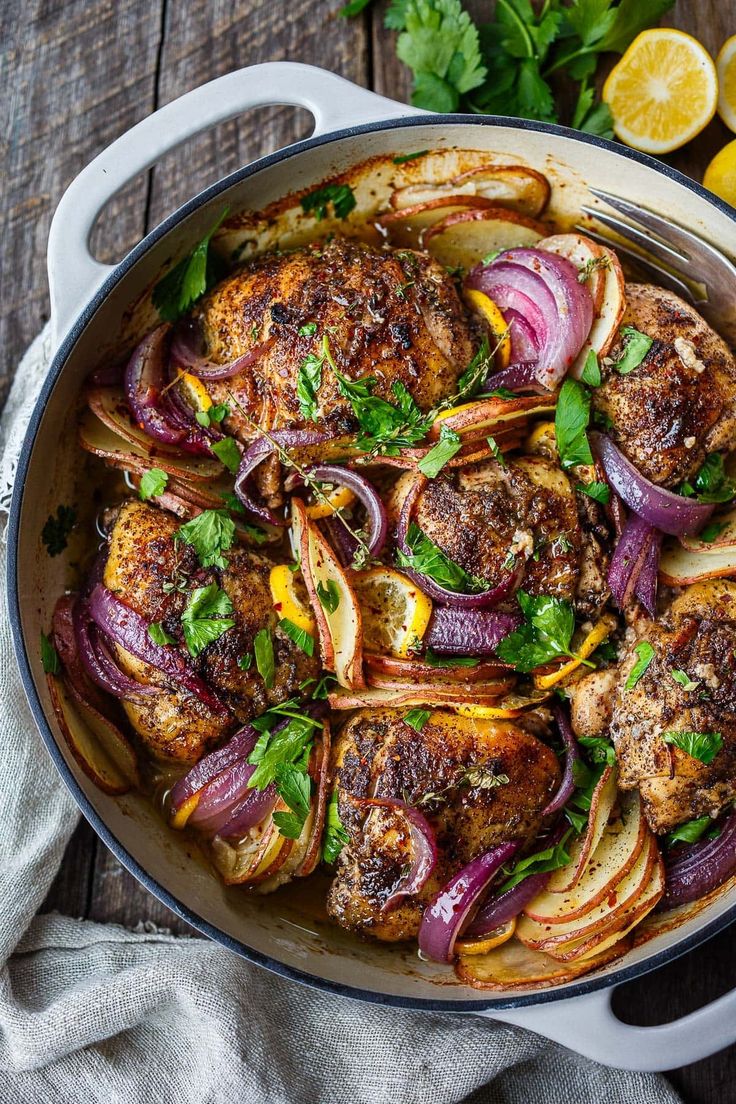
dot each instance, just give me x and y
(498, 455)
(309, 329)
(210, 534)
(636, 346)
(245, 662)
(308, 383)
(57, 528)
(448, 446)
(265, 662)
(293, 787)
(417, 718)
(49, 657)
(189, 279)
(329, 595)
(213, 415)
(428, 559)
(434, 660)
(227, 452)
(551, 858)
(712, 530)
(402, 158)
(341, 196)
(549, 624)
(684, 680)
(153, 483)
(300, 637)
(572, 417)
(645, 654)
(206, 617)
(599, 749)
(711, 484)
(600, 492)
(335, 836)
(703, 746)
(591, 373)
(158, 634)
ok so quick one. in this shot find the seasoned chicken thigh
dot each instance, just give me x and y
(680, 403)
(394, 315)
(479, 783)
(697, 636)
(155, 575)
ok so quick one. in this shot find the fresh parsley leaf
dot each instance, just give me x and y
(432, 659)
(448, 446)
(711, 484)
(636, 346)
(607, 652)
(599, 749)
(703, 746)
(323, 687)
(329, 595)
(290, 744)
(440, 45)
(645, 654)
(205, 617)
(428, 559)
(498, 455)
(571, 422)
(308, 383)
(683, 678)
(213, 415)
(601, 492)
(341, 196)
(300, 637)
(690, 831)
(265, 662)
(227, 452)
(632, 17)
(395, 18)
(293, 787)
(49, 657)
(551, 858)
(347, 11)
(245, 662)
(335, 836)
(309, 329)
(210, 534)
(158, 634)
(474, 375)
(57, 528)
(189, 279)
(400, 160)
(712, 530)
(416, 718)
(546, 633)
(153, 483)
(591, 373)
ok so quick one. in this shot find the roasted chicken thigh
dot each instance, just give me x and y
(479, 782)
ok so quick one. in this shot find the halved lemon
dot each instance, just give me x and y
(726, 70)
(663, 91)
(336, 499)
(500, 336)
(286, 598)
(395, 611)
(720, 176)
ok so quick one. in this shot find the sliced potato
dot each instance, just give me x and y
(679, 567)
(489, 690)
(444, 696)
(416, 670)
(607, 318)
(465, 238)
(313, 849)
(725, 540)
(514, 186)
(514, 966)
(601, 804)
(607, 866)
(106, 441)
(407, 227)
(84, 743)
(340, 630)
(477, 418)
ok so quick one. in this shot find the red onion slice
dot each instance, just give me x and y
(628, 559)
(424, 849)
(256, 453)
(700, 867)
(239, 746)
(517, 377)
(448, 911)
(483, 600)
(99, 664)
(368, 495)
(646, 584)
(515, 289)
(343, 543)
(669, 512)
(129, 630)
(468, 632)
(524, 340)
(184, 355)
(572, 754)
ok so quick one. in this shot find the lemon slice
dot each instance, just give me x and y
(286, 599)
(720, 176)
(336, 499)
(663, 91)
(726, 70)
(194, 391)
(486, 942)
(501, 338)
(600, 632)
(395, 611)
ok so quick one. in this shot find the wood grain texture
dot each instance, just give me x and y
(78, 73)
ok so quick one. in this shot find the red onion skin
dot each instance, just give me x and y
(517, 377)
(703, 867)
(239, 746)
(662, 509)
(99, 664)
(521, 291)
(424, 847)
(468, 632)
(524, 341)
(507, 906)
(646, 584)
(185, 357)
(129, 630)
(342, 543)
(363, 490)
(252, 810)
(572, 754)
(65, 642)
(628, 559)
(449, 909)
(256, 453)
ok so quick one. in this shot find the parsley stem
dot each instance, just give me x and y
(511, 10)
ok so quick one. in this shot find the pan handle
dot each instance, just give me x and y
(74, 275)
(589, 1026)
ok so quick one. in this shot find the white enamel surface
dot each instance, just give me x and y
(271, 926)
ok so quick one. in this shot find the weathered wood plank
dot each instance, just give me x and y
(72, 886)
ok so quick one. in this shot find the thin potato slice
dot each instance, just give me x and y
(407, 227)
(444, 696)
(514, 966)
(679, 567)
(476, 418)
(601, 804)
(463, 239)
(93, 758)
(607, 318)
(514, 186)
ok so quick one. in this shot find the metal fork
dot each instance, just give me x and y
(708, 280)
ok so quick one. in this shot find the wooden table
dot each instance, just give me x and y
(76, 74)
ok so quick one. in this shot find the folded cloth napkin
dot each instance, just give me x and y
(92, 1012)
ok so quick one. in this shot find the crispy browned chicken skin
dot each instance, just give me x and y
(680, 402)
(143, 558)
(390, 314)
(696, 635)
(479, 782)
